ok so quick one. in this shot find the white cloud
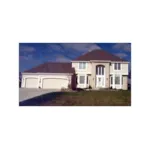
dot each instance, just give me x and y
(27, 49)
(54, 47)
(27, 57)
(83, 47)
(121, 55)
(122, 46)
(61, 58)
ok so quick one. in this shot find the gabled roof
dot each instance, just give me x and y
(98, 54)
(52, 67)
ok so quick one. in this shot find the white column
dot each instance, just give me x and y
(85, 81)
(120, 81)
(113, 80)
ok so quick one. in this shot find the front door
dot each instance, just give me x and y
(100, 82)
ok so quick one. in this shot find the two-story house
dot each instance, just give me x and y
(98, 69)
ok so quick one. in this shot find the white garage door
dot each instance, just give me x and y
(51, 83)
(31, 83)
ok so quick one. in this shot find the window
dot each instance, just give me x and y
(117, 66)
(81, 79)
(99, 70)
(117, 79)
(82, 65)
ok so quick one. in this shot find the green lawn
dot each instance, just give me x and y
(91, 98)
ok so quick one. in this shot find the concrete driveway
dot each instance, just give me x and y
(25, 94)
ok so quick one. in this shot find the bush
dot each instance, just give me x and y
(66, 89)
(90, 87)
(69, 86)
(63, 89)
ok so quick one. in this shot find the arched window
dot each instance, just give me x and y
(100, 70)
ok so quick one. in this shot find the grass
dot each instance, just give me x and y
(91, 98)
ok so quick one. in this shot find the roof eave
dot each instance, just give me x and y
(109, 61)
(45, 73)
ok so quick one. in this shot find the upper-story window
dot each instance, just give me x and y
(99, 70)
(82, 65)
(117, 66)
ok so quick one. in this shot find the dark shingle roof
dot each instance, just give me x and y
(52, 67)
(98, 55)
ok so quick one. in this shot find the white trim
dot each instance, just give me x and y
(107, 61)
(113, 80)
(40, 73)
(111, 84)
(111, 73)
(120, 81)
(79, 61)
(85, 80)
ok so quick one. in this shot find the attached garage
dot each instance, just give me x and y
(55, 83)
(31, 82)
(48, 76)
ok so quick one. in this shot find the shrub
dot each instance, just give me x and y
(69, 86)
(90, 87)
(63, 89)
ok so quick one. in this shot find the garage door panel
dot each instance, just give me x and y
(55, 83)
(31, 83)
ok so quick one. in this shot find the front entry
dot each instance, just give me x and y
(100, 82)
(100, 76)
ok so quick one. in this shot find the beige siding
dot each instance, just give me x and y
(109, 69)
(124, 69)
(125, 83)
(88, 69)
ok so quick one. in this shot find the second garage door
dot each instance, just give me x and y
(53, 83)
(31, 83)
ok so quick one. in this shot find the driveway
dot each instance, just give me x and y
(25, 94)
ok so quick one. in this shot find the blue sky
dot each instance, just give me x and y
(33, 54)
